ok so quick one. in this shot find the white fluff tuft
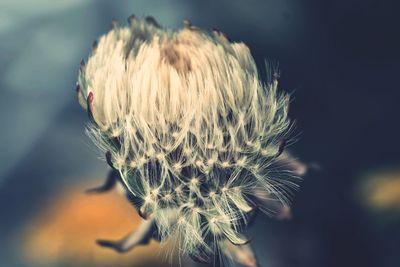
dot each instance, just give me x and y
(191, 128)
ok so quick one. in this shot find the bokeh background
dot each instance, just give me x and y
(341, 60)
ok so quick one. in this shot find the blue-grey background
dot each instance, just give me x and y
(340, 58)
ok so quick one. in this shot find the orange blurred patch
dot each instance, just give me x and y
(381, 191)
(67, 230)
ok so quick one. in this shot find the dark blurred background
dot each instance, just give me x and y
(341, 60)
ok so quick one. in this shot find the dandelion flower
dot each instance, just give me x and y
(191, 131)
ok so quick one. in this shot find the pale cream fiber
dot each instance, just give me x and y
(192, 130)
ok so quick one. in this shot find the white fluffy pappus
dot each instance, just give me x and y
(193, 132)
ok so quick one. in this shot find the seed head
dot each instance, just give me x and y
(190, 127)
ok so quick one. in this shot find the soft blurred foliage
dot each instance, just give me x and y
(339, 58)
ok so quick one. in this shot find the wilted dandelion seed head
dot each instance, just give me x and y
(190, 127)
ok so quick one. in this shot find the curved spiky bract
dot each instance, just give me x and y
(190, 127)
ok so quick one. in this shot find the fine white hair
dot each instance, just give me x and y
(193, 131)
